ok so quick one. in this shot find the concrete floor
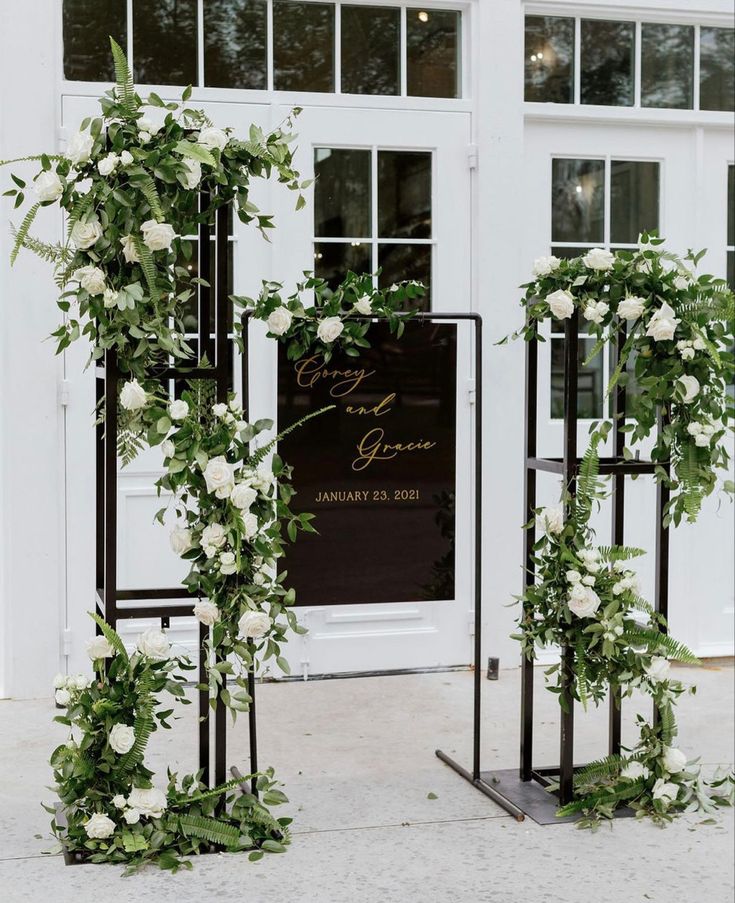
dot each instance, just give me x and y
(357, 759)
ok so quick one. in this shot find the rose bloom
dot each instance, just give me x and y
(126, 158)
(634, 770)
(364, 305)
(250, 525)
(665, 791)
(152, 643)
(227, 563)
(689, 388)
(79, 148)
(86, 234)
(130, 252)
(583, 601)
(178, 409)
(110, 297)
(150, 801)
(598, 259)
(219, 476)
(181, 540)
(329, 329)
(662, 325)
(254, 624)
(48, 186)
(108, 164)
(631, 308)
(193, 175)
(157, 236)
(133, 396)
(561, 304)
(118, 801)
(542, 266)
(658, 669)
(674, 760)
(212, 137)
(99, 647)
(91, 279)
(243, 496)
(206, 612)
(213, 538)
(122, 738)
(279, 320)
(168, 449)
(99, 826)
(62, 697)
(551, 520)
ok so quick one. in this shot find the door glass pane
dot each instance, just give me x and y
(589, 386)
(577, 200)
(88, 24)
(401, 262)
(303, 46)
(332, 260)
(165, 42)
(607, 62)
(404, 194)
(717, 69)
(342, 193)
(634, 192)
(432, 41)
(371, 50)
(235, 43)
(667, 65)
(549, 59)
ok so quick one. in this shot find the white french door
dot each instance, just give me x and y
(340, 638)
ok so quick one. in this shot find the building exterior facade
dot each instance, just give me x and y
(452, 143)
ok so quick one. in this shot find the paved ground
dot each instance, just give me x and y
(357, 758)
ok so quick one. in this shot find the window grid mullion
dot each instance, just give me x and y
(129, 42)
(374, 209)
(269, 46)
(337, 48)
(404, 53)
(577, 60)
(200, 43)
(695, 86)
(637, 51)
(606, 202)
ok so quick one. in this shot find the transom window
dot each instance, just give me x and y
(598, 202)
(282, 45)
(595, 61)
(373, 209)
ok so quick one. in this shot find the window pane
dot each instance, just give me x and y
(404, 194)
(567, 252)
(634, 199)
(87, 26)
(607, 62)
(401, 262)
(191, 264)
(342, 193)
(549, 60)
(667, 66)
(235, 43)
(731, 269)
(589, 387)
(432, 41)
(577, 200)
(303, 46)
(165, 42)
(717, 69)
(731, 205)
(371, 50)
(333, 259)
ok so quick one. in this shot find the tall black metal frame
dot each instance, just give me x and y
(174, 602)
(525, 792)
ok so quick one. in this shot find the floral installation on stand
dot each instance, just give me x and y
(586, 599)
(337, 318)
(110, 808)
(678, 352)
(130, 186)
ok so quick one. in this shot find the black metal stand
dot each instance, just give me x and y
(169, 603)
(525, 792)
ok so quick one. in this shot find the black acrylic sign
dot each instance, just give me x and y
(378, 471)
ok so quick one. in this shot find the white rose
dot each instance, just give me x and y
(681, 282)
(181, 540)
(193, 175)
(329, 329)
(126, 158)
(219, 476)
(595, 311)
(573, 576)
(92, 279)
(118, 801)
(631, 308)
(598, 259)
(263, 478)
(243, 496)
(212, 137)
(702, 440)
(48, 186)
(168, 449)
(213, 536)
(84, 235)
(99, 647)
(206, 612)
(689, 388)
(178, 409)
(157, 236)
(364, 305)
(561, 304)
(583, 601)
(227, 563)
(588, 580)
(220, 409)
(699, 343)
(110, 297)
(146, 124)
(542, 266)
(634, 770)
(122, 738)
(108, 164)
(254, 624)
(152, 643)
(674, 760)
(62, 697)
(665, 791)
(551, 520)
(687, 354)
(150, 802)
(144, 137)
(133, 396)
(99, 826)
(279, 321)
(130, 252)
(132, 816)
(250, 525)
(662, 325)
(59, 681)
(79, 148)
(658, 669)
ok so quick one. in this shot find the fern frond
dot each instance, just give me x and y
(607, 796)
(111, 636)
(599, 770)
(667, 724)
(263, 452)
(148, 188)
(31, 158)
(129, 445)
(56, 253)
(661, 643)
(261, 817)
(210, 829)
(79, 210)
(125, 88)
(147, 265)
(580, 668)
(619, 553)
(144, 725)
(232, 784)
(20, 235)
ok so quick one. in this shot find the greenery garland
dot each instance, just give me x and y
(111, 809)
(678, 352)
(586, 599)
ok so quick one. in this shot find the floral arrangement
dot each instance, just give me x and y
(130, 185)
(111, 809)
(586, 599)
(678, 349)
(338, 318)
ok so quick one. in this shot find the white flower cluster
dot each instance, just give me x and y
(65, 686)
(582, 600)
(688, 347)
(595, 311)
(551, 520)
(702, 432)
(149, 802)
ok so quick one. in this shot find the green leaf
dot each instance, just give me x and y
(195, 152)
